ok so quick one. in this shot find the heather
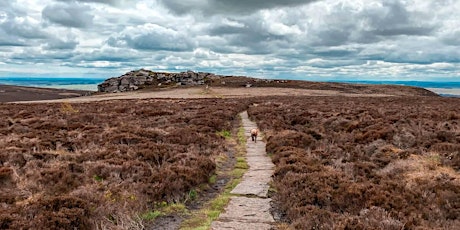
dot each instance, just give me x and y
(105, 164)
(364, 163)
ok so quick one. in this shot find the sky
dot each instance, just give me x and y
(290, 39)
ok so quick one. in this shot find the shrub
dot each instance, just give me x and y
(363, 163)
(101, 164)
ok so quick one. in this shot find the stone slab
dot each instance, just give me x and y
(263, 175)
(250, 210)
(236, 225)
(245, 212)
(251, 188)
(254, 183)
(257, 149)
(259, 163)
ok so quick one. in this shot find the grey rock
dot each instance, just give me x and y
(138, 79)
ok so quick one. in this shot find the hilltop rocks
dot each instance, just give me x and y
(141, 78)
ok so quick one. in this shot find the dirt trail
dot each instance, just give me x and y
(249, 208)
(197, 92)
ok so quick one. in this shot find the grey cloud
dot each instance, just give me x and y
(250, 36)
(8, 7)
(335, 53)
(408, 56)
(108, 2)
(452, 39)
(23, 29)
(405, 30)
(370, 25)
(15, 27)
(110, 54)
(253, 5)
(410, 50)
(8, 41)
(394, 19)
(5, 4)
(225, 7)
(152, 37)
(332, 37)
(61, 43)
(226, 29)
(69, 15)
(20, 32)
(328, 64)
(33, 55)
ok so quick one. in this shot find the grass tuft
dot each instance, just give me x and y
(151, 215)
(224, 133)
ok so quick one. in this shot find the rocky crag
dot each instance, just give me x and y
(142, 78)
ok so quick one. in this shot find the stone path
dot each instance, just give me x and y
(249, 209)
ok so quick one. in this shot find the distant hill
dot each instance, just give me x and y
(9, 93)
(146, 79)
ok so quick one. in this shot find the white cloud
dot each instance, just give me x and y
(296, 38)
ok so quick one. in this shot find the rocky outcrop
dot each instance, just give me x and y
(142, 78)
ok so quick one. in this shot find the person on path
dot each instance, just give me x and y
(254, 133)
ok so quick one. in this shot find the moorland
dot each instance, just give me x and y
(383, 161)
(9, 93)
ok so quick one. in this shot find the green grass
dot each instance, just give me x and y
(237, 173)
(98, 178)
(202, 219)
(212, 179)
(241, 137)
(175, 208)
(225, 133)
(192, 194)
(163, 210)
(241, 163)
(220, 202)
(230, 186)
(151, 215)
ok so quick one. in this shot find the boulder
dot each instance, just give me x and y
(138, 79)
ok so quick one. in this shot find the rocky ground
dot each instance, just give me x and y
(146, 79)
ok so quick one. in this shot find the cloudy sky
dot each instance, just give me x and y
(302, 39)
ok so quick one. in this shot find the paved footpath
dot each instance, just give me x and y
(249, 208)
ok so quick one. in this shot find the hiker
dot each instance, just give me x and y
(254, 133)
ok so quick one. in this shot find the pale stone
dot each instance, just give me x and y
(250, 213)
(250, 210)
(236, 225)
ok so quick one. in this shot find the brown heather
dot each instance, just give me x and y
(103, 164)
(341, 162)
(364, 163)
